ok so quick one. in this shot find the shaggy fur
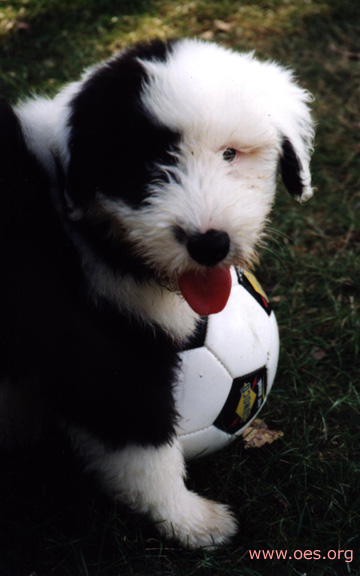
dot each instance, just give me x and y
(158, 163)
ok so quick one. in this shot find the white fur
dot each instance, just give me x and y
(152, 481)
(45, 125)
(148, 303)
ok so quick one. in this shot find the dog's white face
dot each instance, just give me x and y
(171, 155)
(226, 161)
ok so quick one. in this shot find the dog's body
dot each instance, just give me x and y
(130, 187)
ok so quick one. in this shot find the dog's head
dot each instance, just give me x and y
(171, 156)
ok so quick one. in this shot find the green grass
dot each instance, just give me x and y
(303, 491)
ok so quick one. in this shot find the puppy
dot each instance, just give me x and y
(124, 202)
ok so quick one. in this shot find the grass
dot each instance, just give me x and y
(303, 491)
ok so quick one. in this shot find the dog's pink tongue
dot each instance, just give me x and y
(206, 292)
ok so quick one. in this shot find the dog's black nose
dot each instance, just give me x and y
(209, 248)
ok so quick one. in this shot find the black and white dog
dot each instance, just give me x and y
(123, 203)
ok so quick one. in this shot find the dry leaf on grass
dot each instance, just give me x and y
(223, 26)
(258, 434)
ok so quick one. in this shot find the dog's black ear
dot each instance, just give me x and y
(290, 168)
(292, 171)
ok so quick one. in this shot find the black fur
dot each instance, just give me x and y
(94, 367)
(290, 167)
(113, 139)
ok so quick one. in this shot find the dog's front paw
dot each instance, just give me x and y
(151, 481)
(200, 522)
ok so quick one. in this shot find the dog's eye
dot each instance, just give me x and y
(229, 154)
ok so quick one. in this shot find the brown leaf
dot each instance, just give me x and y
(223, 26)
(319, 354)
(207, 35)
(258, 434)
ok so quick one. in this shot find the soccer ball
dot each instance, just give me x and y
(227, 369)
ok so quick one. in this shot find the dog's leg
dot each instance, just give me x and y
(151, 481)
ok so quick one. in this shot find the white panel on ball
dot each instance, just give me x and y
(200, 392)
(204, 442)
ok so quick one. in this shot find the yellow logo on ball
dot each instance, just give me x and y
(247, 400)
(254, 283)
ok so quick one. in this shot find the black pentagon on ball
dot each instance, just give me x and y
(246, 397)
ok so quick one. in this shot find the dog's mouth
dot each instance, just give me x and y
(206, 291)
